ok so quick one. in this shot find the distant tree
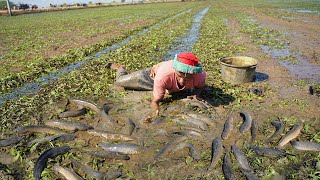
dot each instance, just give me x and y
(34, 7)
(123, 0)
(3, 4)
(24, 6)
(90, 2)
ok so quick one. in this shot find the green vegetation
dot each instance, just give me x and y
(3, 4)
(56, 39)
(36, 44)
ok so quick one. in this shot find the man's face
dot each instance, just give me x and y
(183, 78)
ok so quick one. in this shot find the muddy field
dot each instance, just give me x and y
(286, 45)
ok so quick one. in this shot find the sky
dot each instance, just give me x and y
(46, 3)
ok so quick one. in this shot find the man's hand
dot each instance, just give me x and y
(155, 107)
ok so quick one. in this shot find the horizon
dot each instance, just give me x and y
(41, 3)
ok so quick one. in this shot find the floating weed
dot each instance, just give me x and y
(286, 103)
(220, 177)
(205, 155)
(257, 163)
(188, 160)
(301, 83)
(151, 170)
(289, 120)
(316, 137)
(130, 175)
(281, 104)
(290, 58)
(199, 165)
(301, 103)
(260, 35)
(269, 172)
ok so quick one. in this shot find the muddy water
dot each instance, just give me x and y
(301, 18)
(186, 42)
(32, 88)
(300, 10)
(302, 69)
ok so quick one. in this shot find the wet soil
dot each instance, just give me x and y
(303, 36)
(283, 97)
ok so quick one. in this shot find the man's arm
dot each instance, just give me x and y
(155, 105)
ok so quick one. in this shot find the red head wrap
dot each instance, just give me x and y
(188, 58)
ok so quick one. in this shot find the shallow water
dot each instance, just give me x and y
(302, 69)
(302, 19)
(186, 42)
(300, 10)
(33, 87)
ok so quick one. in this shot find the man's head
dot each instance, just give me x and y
(186, 65)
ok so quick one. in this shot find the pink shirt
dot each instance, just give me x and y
(165, 79)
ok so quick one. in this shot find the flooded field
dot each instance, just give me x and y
(62, 116)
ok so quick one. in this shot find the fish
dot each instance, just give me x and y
(169, 147)
(38, 129)
(105, 120)
(189, 132)
(60, 137)
(203, 118)
(96, 174)
(254, 131)
(43, 159)
(194, 153)
(111, 136)
(187, 120)
(279, 129)
(10, 140)
(122, 148)
(193, 102)
(74, 113)
(68, 125)
(216, 152)
(227, 128)
(227, 169)
(130, 126)
(305, 146)
(172, 108)
(66, 137)
(292, 134)
(67, 173)
(158, 120)
(247, 121)
(241, 158)
(269, 152)
(106, 154)
(87, 104)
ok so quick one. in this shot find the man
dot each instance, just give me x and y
(182, 73)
